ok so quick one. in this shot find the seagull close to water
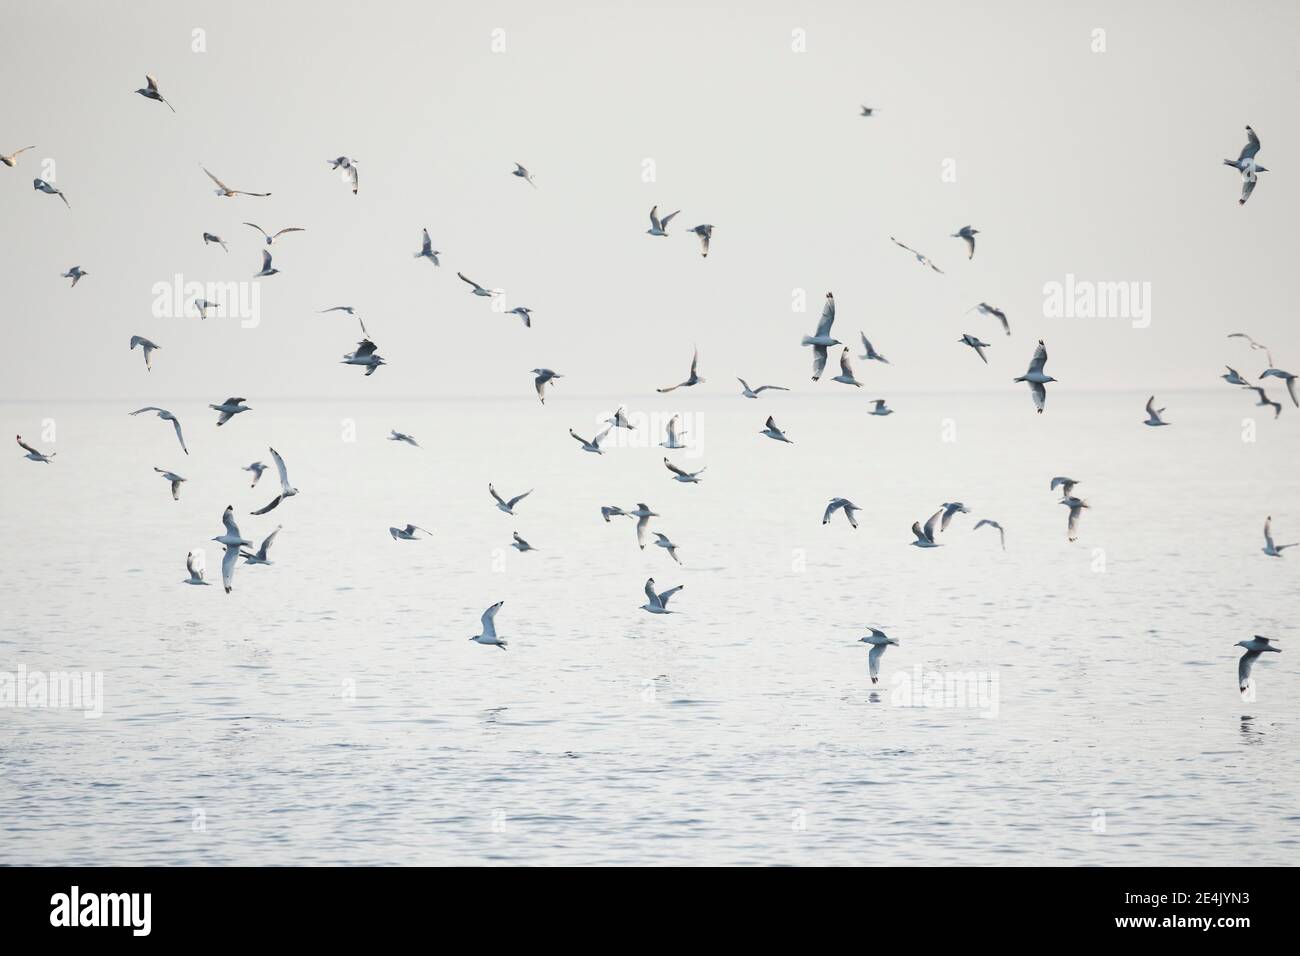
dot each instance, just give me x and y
(402, 436)
(167, 417)
(869, 111)
(606, 511)
(1233, 377)
(229, 409)
(846, 370)
(260, 556)
(1271, 549)
(489, 635)
(920, 257)
(974, 342)
(689, 477)
(256, 468)
(270, 237)
(594, 444)
(772, 431)
(755, 392)
(150, 91)
(1065, 484)
(209, 238)
(427, 251)
(350, 311)
(1153, 414)
(673, 440)
(407, 533)
(366, 355)
(196, 574)
(267, 268)
(349, 166)
(693, 379)
(525, 314)
(821, 340)
(643, 514)
(1036, 377)
(925, 536)
(657, 603)
(1254, 647)
(478, 289)
(838, 503)
(1264, 400)
(42, 186)
(661, 541)
(1076, 506)
(146, 347)
(175, 480)
(878, 640)
(33, 454)
(951, 508)
(75, 274)
(880, 408)
(523, 174)
(11, 160)
(507, 506)
(1256, 346)
(544, 376)
(233, 541)
(659, 227)
(993, 524)
(967, 233)
(1287, 377)
(1245, 164)
(870, 355)
(224, 190)
(520, 544)
(705, 233)
(986, 309)
(286, 490)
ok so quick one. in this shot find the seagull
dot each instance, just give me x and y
(407, 533)
(968, 233)
(607, 510)
(1153, 413)
(925, 536)
(256, 468)
(33, 454)
(402, 436)
(507, 506)
(838, 503)
(869, 111)
(1265, 400)
(920, 257)
(771, 431)
(209, 238)
(43, 186)
(880, 407)
(489, 635)
(203, 305)
(1036, 378)
(167, 417)
(643, 514)
(1271, 549)
(1245, 163)
(175, 479)
(871, 355)
(1254, 647)
(619, 419)
(979, 347)
(233, 541)
(1076, 506)
(523, 313)
(229, 409)
(271, 237)
(260, 557)
(986, 309)
(754, 392)
(1287, 377)
(12, 159)
(878, 640)
(350, 311)
(196, 574)
(286, 490)
(520, 544)
(594, 444)
(267, 268)
(993, 524)
(478, 289)
(544, 377)
(658, 603)
(663, 542)
(427, 251)
(674, 436)
(659, 227)
(694, 378)
(150, 91)
(846, 370)
(349, 166)
(364, 355)
(687, 477)
(1233, 377)
(523, 174)
(146, 347)
(951, 508)
(705, 233)
(224, 190)
(1257, 346)
(822, 339)
(1066, 485)
(75, 274)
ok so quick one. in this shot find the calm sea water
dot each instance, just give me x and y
(332, 711)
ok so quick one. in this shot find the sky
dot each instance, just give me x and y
(1075, 152)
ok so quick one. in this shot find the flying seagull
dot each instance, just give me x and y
(1066, 485)
(822, 339)
(993, 524)
(846, 370)
(42, 186)
(594, 444)
(1254, 647)
(925, 536)
(256, 468)
(1264, 400)
(350, 311)
(606, 511)
(659, 227)
(878, 640)
(1233, 377)
(477, 289)
(1245, 164)
(1257, 346)
(673, 441)
(1271, 549)
(657, 603)
(544, 376)
(619, 419)
(920, 257)
(150, 91)
(75, 274)
(523, 174)
(772, 431)
(974, 342)
(1153, 414)
(260, 556)
(167, 417)
(229, 409)
(271, 237)
(523, 313)
(146, 347)
(203, 305)
(688, 477)
(507, 506)
(489, 635)
(33, 454)
(175, 480)
(1287, 377)
(407, 533)
(869, 111)
(224, 190)
(661, 541)
(951, 508)
(694, 378)
(986, 309)
(402, 436)
(871, 355)
(1036, 378)
(209, 238)
(643, 514)
(196, 574)
(838, 503)
(233, 541)
(286, 490)
(349, 166)
(366, 355)
(520, 544)
(705, 233)
(880, 408)
(1076, 506)
(967, 233)
(428, 252)
(12, 159)
(267, 268)
(755, 392)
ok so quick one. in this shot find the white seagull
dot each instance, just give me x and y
(755, 392)
(693, 379)
(871, 355)
(544, 376)
(643, 514)
(1245, 164)
(705, 233)
(427, 251)
(229, 409)
(477, 289)
(233, 541)
(1153, 414)
(256, 468)
(688, 477)
(260, 557)
(846, 370)
(271, 237)
(150, 91)
(167, 417)
(286, 490)
(607, 510)
(771, 431)
(349, 166)
(209, 238)
(225, 191)
(1076, 506)
(365, 355)
(822, 339)
(42, 186)
(489, 635)
(267, 269)
(1271, 549)
(203, 305)
(993, 524)
(175, 480)
(920, 257)
(986, 309)
(673, 441)
(968, 233)
(1066, 485)
(1254, 647)
(657, 603)
(33, 454)
(661, 541)
(1036, 377)
(880, 408)
(146, 347)
(523, 174)
(594, 444)
(196, 574)
(402, 436)
(525, 314)
(659, 227)
(925, 536)
(507, 506)
(951, 508)
(520, 544)
(75, 274)
(838, 503)
(974, 342)
(619, 419)
(407, 533)
(1233, 377)
(878, 640)
(350, 311)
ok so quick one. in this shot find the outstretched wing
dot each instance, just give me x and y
(489, 618)
(828, 317)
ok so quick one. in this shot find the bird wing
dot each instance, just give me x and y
(663, 223)
(873, 659)
(426, 246)
(929, 525)
(662, 599)
(464, 278)
(771, 424)
(845, 368)
(654, 219)
(831, 508)
(279, 466)
(828, 317)
(27, 446)
(189, 566)
(518, 498)
(266, 260)
(493, 492)
(257, 227)
(228, 566)
(489, 619)
(1252, 146)
(1151, 412)
(214, 178)
(1040, 358)
(176, 424)
(1073, 526)
(1268, 532)
(695, 358)
(674, 469)
(288, 229)
(270, 507)
(1243, 667)
(228, 519)
(266, 543)
(1039, 391)
(819, 361)
(650, 592)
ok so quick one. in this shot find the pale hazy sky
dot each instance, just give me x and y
(1106, 165)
